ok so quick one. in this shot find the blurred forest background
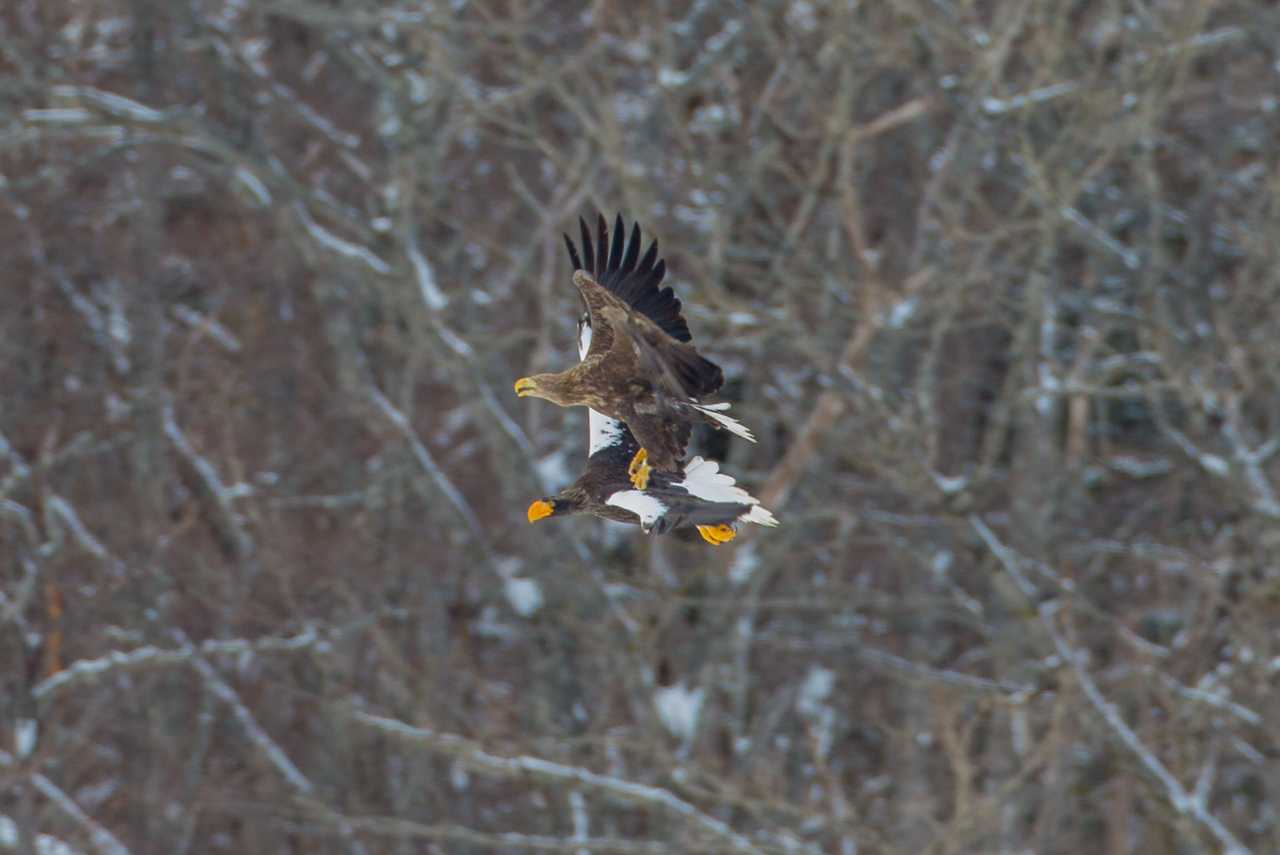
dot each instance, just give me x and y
(994, 283)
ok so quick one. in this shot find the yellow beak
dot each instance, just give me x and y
(525, 386)
(538, 510)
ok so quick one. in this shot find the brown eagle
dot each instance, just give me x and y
(639, 366)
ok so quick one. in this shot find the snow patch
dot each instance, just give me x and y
(426, 276)
(24, 737)
(744, 564)
(524, 595)
(552, 471)
(950, 486)
(45, 845)
(458, 776)
(816, 688)
(678, 707)
(811, 705)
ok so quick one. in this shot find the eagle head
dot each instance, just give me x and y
(542, 508)
(552, 387)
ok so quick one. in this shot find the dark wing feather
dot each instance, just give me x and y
(675, 369)
(602, 244)
(615, 253)
(573, 253)
(587, 251)
(685, 510)
(620, 270)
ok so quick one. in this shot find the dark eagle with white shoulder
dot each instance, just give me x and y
(640, 368)
(697, 494)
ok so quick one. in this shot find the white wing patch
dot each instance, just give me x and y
(703, 479)
(716, 412)
(602, 431)
(649, 509)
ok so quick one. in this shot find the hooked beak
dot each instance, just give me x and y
(525, 386)
(538, 510)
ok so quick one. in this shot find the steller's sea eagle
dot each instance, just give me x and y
(697, 494)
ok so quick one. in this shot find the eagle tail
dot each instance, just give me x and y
(703, 478)
(759, 516)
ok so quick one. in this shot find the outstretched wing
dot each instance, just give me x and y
(675, 369)
(620, 270)
(698, 494)
(678, 374)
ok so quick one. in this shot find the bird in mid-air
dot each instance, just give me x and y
(639, 366)
(697, 494)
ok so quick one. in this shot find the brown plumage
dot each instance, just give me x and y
(640, 367)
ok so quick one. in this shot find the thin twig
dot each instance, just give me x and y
(473, 755)
(1181, 801)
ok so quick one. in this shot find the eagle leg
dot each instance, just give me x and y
(716, 534)
(639, 470)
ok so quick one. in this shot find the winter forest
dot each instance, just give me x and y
(994, 283)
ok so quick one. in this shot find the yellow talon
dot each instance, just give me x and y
(716, 534)
(639, 470)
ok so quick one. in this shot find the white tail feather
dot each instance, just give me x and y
(714, 411)
(759, 516)
(703, 479)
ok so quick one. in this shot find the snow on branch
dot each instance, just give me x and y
(252, 729)
(1183, 803)
(428, 463)
(473, 755)
(328, 239)
(227, 523)
(104, 841)
(406, 829)
(151, 656)
(45, 844)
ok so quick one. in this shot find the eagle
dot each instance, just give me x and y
(696, 494)
(640, 367)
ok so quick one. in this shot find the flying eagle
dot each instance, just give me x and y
(639, 367)
(697, 494)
